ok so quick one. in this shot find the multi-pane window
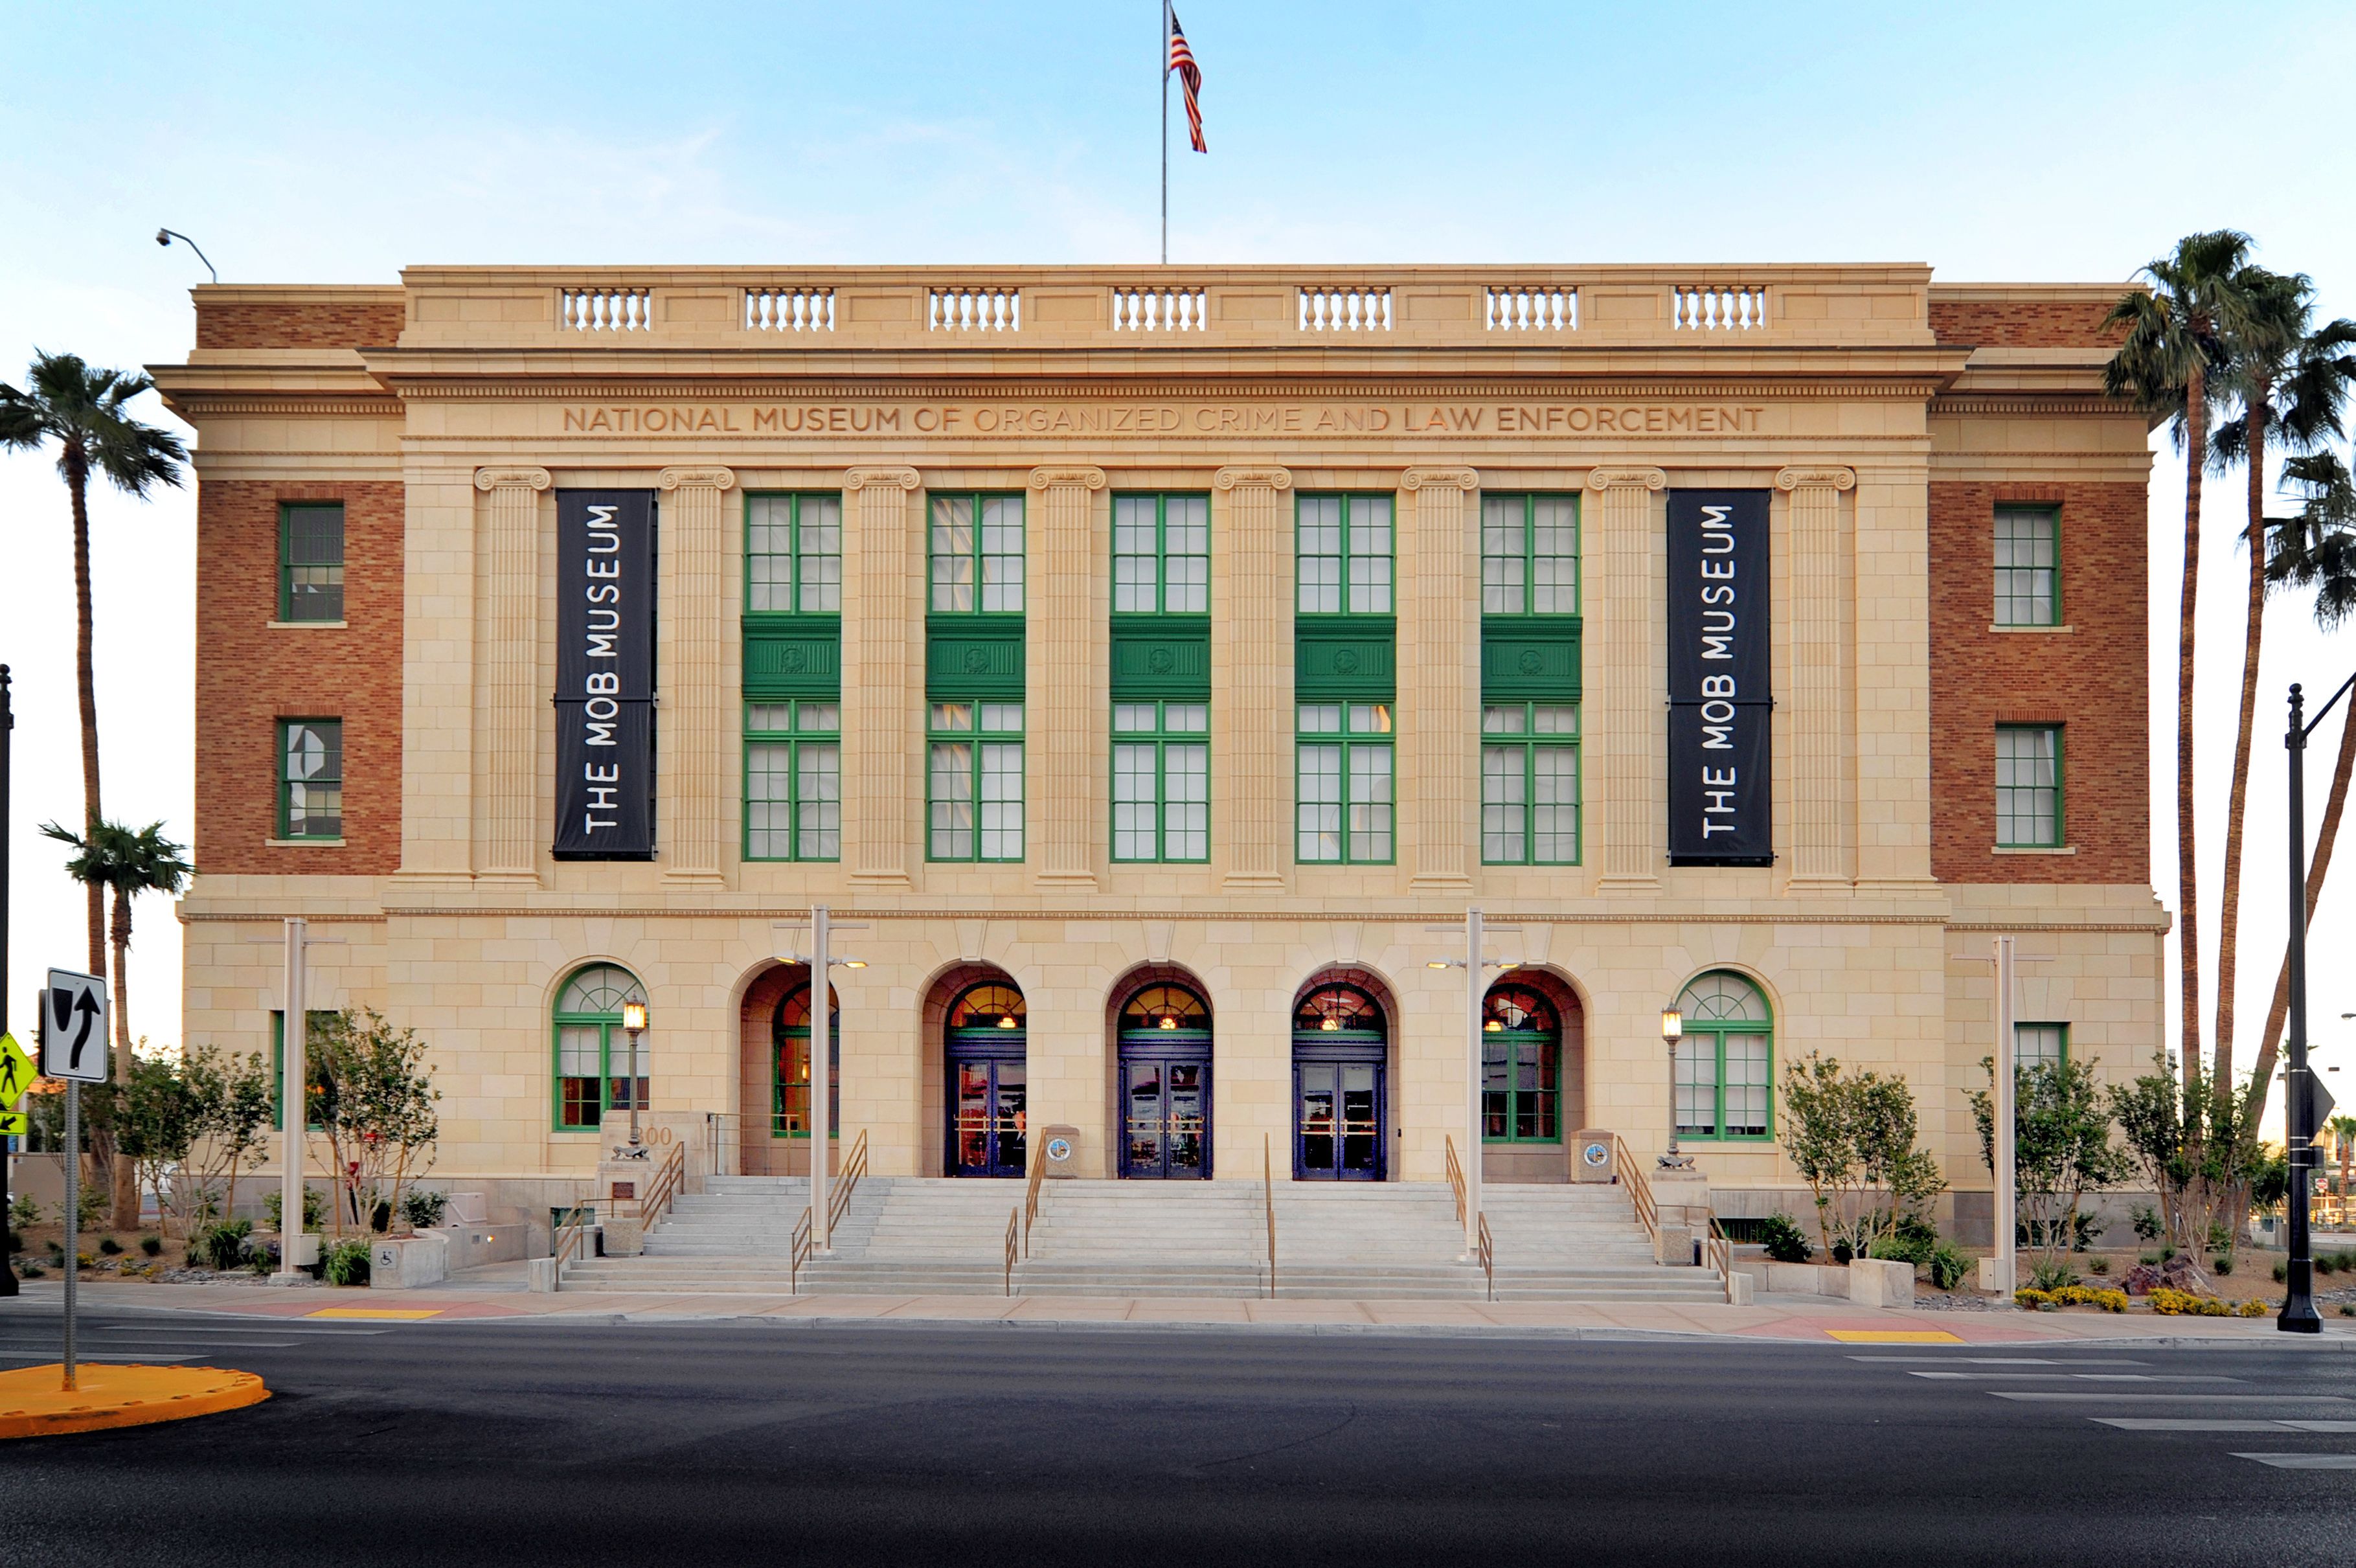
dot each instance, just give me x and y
(793, 780)
(1161, 781)
(1345, 556)
(2040, 1045)
(1521, 1091)
(793, 553)
(977, 554)
(2028, 566)
(974, 791)
(311, 1076)
(1529, 783)
(1530, 555)
(311, 561)
(596, 1068)
(2027, 786)
(1724, 1059)
(1161, 555)
(310, 778)
(1343, 782)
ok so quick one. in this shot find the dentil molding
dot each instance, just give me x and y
(512, 479)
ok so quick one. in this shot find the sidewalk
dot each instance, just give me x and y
(498, 1293)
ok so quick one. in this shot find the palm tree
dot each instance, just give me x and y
(2343, 1138)
(130, 864)
(2291, 384)
(82, 409)
(2173, 339)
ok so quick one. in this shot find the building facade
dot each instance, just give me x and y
(1153, 667)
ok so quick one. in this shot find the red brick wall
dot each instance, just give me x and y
(2021, 322)
(345, 323)
(2091, 680)
(250, 675)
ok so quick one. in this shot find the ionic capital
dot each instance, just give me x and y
(1067, 478)
(1816, 478)
(1439, 479)
(1627, 479)
(697, 478)
(1251, 478)
(880, 478)
(512, 480)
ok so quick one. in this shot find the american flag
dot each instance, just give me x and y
(1182, 61)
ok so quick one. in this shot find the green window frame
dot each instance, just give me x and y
(1162, 781)
(1530, 555)
(278, 1065)
(973, 781)
(311, 779)
(2027, 565)
(1529, 784)
(1521, 1068)
(1343, 547)
(1344, 785)
(588, 1045)
(789, 1066)
(793, 780)
(311, 561)
(976, 554)
(1161, 555)
(2040, 1045)
(2029, 786)
(1726, 1061)
(793, 553)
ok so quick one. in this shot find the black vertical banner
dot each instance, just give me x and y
(605, 675)
(1721, 700)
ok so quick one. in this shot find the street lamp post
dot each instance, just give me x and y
(2304, 1102)
(1473, 966)
(1672, 1029)
(166, 236)
(634, 1024)
(821, 961)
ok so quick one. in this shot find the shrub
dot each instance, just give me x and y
(23, 1212)
(346, 1263)
(2222, 1264)
(152, 1245)
(91, 1205)
(314, 1208)
(35, 1271)
(2072, 1296)
(2325, 1262)
(424, 1209)
(1784, 1241)
(2147, 1224)
(262, 1260)
(2184, 1303)
(2149, 1259)
(1948, 1265)
(2348, 1309)
(2053, 1276)
(2099, 1265)
(223, 1246)
(2282, 1272)
(109, 1245)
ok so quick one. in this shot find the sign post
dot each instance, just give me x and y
(12, 1125)
(73, 1048)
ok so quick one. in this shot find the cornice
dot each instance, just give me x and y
(197, 406)
(1030, 389)
(2080, 405)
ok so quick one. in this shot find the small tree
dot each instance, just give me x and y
(234, 1114)
(2062, 1149)
(155, 1121)
(2186, 1142)
(1852, 1136)
(376, 1104)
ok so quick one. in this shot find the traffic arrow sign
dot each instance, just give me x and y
(15, 1073)
(73, 1027)
(15, 1124)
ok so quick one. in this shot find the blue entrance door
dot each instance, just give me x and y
(1165, 1085)
(987, 1091)
(1341, 1111)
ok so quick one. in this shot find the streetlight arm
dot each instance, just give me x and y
(166, 236)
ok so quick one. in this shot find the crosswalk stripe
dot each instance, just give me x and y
(2304, 1461)
(2174, 1424)
(2085, 1377)
(1994, 1361)
(2084, 1395)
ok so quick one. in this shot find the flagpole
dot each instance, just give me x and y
(1164, 41)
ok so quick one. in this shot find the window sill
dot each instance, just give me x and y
(2033, 628)
(304, 844)
(2034, 849)
(308, 625)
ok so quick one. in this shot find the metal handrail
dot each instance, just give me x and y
(1488, 1256)
(1267, 1192)
(805, 1242)
(571, 1234)
(1485, 1248)
(1718, 1250)
(1013, 1223)
(1031, 1198)
(1456, 1174)
(669, 1179)
(1632, 1175)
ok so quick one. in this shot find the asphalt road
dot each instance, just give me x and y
(456, 1443)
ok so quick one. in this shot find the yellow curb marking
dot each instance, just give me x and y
(393, 1312)
(1895, 1336)
(33, 1405)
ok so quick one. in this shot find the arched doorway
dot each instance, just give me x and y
(1341, 1120)
(789, 1066)
(1533, 1055)
(1164, 1044)
(987, 1094)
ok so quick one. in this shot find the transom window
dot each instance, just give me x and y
(793, 780)
(1166, 1008)
(596, 1071)
(1529, 783)
(974, 791)
(311, 561)
(2027, 565)
(2040, 1045)
(1342, 786)
(977, 554)
(1530, 555)
(989, 1006)
(1345, 556)
(1725, 1060)
(2027, 786)
(793, 553)
(1521, 1053)
(1161, 555)
(310, 778)
(1162, 781)
(1338, 1009)
(790, 1037)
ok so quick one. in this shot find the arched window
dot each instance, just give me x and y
(1338, 1009)
(1521, 1056)
(1165, 1009)
(789, 1039)
(594, 1073)
(987, 1008)
(1725, 1060)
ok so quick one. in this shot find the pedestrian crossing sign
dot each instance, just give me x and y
(15, 1078)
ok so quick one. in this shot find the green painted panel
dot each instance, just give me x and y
(1162, 656)
(974, 656)
(793, 655)
(1530, 658)
(1346, 657)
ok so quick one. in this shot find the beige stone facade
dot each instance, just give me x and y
(1849, 394)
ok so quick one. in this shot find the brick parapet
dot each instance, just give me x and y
(2022, 323)
(299, 319)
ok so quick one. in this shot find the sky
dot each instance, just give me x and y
(331, 143)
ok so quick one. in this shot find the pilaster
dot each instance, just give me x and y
(692, 657)
(1065, 716)
(1816, 731)
(1251, 676)
(509, 663)
(1633, 734)
(882, 600)
(1439, 726)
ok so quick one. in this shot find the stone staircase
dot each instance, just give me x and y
(915, 1236)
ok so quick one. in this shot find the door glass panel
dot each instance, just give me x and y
(1144, 1118)
(1360, 1132)
(1185, 1134)
(973, 1115)
(1011, 1117)
(1316, 1113)
(1495, 1052)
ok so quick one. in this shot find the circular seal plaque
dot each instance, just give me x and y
(1345, 662)
(1596, 1156)
(1059, 1149)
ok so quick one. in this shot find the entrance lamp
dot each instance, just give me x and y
(1672, 1029)
(634, 1024)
